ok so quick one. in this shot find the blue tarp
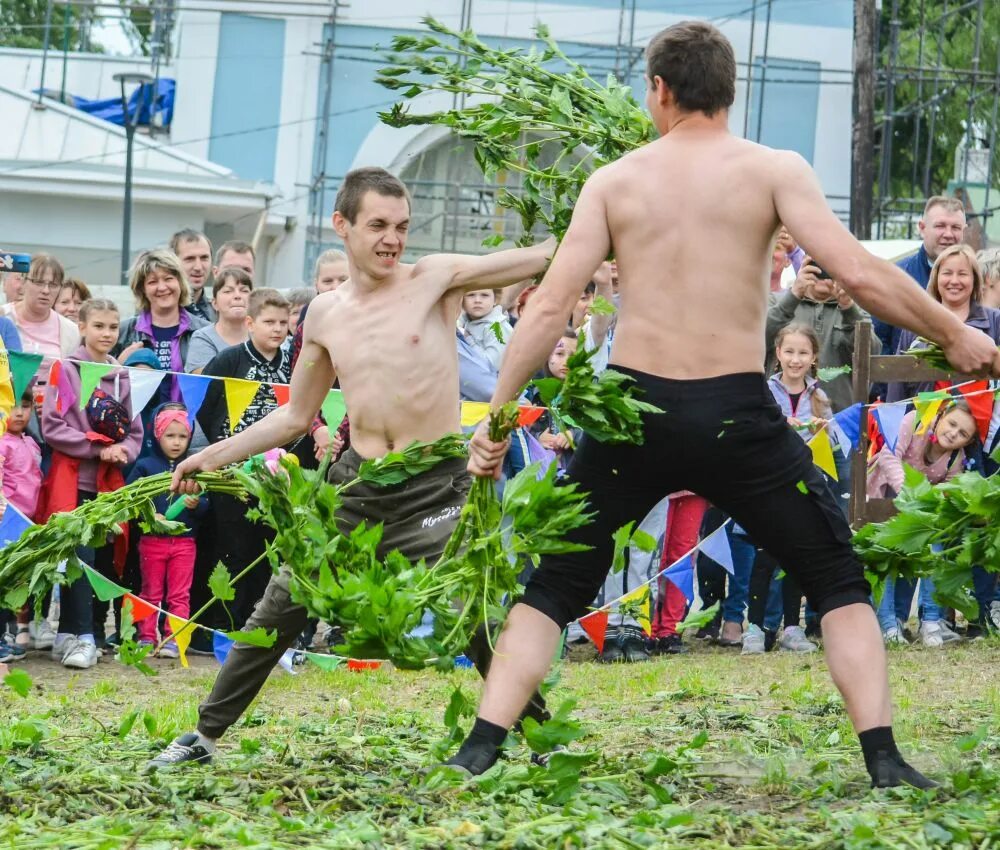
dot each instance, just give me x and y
(144, 106)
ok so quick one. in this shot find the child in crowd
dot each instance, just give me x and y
(166, 561)
(806, 407)
(261, 358)
(298, 299)
(939, 452)
(330, 271)
(89, 445)
(481, 320)
(545, 428)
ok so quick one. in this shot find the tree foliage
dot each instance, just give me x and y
(22, 24)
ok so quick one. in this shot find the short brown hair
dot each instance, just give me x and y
(237, 246)
(159, 259)
(41, 263)
(261, 298)
(954, 251)
(359, 182)
(950, 204)
(234, 274)
(78, 286)
(188, 235)
(697, 63)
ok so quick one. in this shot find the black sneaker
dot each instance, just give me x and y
(542, 759)
(709, 632)
(770, 639)
(182, 749)
(669, 645)
(201, 643)
(474, 759)
(889, 770)
(628, 646)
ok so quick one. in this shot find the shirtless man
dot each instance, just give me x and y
(388, 334)
(698, 192)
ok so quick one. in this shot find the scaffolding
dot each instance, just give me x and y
(933, 81)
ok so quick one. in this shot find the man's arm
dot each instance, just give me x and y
(311, 381)
(489, 271)
(586, 244)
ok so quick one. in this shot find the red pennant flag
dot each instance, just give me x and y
(280, 393)
(528, 416)
(140, 607)
(980, 402)
(596, 627)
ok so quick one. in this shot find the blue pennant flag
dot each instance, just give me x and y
(221, 644)
(716, 547)
(682, 576)
(889, 417)
(848, 423)
(13, 525)
(193, 389)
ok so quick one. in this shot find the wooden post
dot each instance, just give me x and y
(861, 382)
(863, 130)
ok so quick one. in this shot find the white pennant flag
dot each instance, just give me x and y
(144, 384)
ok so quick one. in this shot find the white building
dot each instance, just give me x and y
(244, 152)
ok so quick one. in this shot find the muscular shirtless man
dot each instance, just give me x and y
(388, 334)
(694, 343)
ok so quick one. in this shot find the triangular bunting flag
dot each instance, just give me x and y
(926, 411)
(334, 409)
(841, 439)
(889, 417)
(596, 627)
(822, 453)
(281, 393)
(22, 369)
(180, 633)
(104, 589)
(980, 401)
(90, 378)
(140, 607)
(716, 548)
(239, 394)
(221, 644)
(849, 422)
(143, 384)
(474, 412)
(681, 575)
(287, 661)
(528, 416)
(12, 525)
(323, 661)
(193, 389)
(641, 596)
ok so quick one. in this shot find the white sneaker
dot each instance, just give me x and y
(894, 637)
(753, 641)
(930, 633)
(947, 635)
(793, 639)
(80, 654)
(169, 650)
(59, 647)
(995, 613)
(42, 634)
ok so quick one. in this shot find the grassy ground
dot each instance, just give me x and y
(705, 751)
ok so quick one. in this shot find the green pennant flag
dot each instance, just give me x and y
(104, 588)
(325, 662)
(22, 369)
(334, 409)
(90, 378)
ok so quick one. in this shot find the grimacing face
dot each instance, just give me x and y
(376, 239)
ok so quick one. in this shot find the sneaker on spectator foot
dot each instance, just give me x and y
(668, 645)
(731, 634)
(201, 643)
(186, 748)
(994, 615)
(628, 645)
(793, 639)
(894, 636)
(42, 634)
(79, 654)
(753, 641)
(930, 633)
(948, 635)
(10, 651)
(169, 650)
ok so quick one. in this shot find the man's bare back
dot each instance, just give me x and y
(393, 349)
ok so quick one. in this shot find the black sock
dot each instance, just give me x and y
(876, 740)
(484, 732)
(886, 764)
(481, 749)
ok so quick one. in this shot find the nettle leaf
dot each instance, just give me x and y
(219, 582)
(644, 542)
(828, 373)
(602, 307)
(18, 681)
(621, 537)
(697, 619)
(254, 637)
(557, 731)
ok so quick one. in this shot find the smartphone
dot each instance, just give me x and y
(822, 275)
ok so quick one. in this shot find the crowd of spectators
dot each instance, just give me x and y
(199, 312)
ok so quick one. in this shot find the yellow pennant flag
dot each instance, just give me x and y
(473, 412)
(640, 595)
(180, 632)
(823, 453)
(239, 394)
(927, 410)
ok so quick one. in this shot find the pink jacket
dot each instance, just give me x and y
(22, 472)
(885, 472)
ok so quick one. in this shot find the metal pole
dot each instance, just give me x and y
(45, 52)
(127, 212)
(970, 137)
(62, 85)
(746, 105)
(763, 71)
(992, 144)
(933, 122)
(917, 116)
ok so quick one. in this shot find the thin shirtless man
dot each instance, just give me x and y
(694, 342)
(388, 334)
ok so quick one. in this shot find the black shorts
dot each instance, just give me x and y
(725, 439)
